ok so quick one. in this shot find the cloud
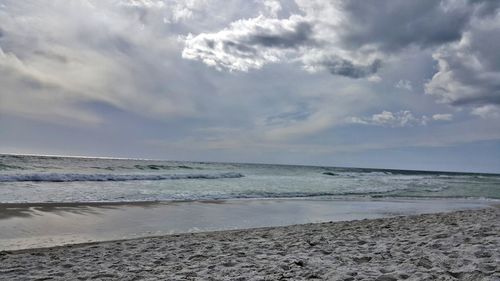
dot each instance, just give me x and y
(343, 67)
(308, 68)
(346, 38)
(80, 57)
(248, 44)
(272, 7)
(404, 84)
(469, 70)
(442, 117)
(487, 111)
(169, 11)
(315, 123)
(403, 118)
(395, 25)
(253, 43)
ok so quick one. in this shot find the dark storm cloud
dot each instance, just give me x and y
(485, 7)
(393, 24)
(232, 46)
(469, 71)
(338, 29)
(342, 67)
(247, 45)
(299, 36)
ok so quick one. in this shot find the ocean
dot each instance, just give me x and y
(37, 179)
(48, 201)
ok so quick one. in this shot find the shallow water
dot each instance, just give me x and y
(32, 226)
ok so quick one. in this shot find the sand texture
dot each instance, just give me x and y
(462, 245)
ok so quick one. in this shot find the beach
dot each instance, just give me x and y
(75, 218)
(460, 245)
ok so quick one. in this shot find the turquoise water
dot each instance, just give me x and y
(73, 179)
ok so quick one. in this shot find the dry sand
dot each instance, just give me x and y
(463, 245)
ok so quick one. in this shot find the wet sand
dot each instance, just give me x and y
(461, 245)
(50, 224)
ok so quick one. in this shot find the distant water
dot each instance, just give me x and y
(72, 179)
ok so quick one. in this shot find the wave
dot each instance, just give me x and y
(10, 167)
(142, 167)
(396, 172)
(161, 167)
(57, 177)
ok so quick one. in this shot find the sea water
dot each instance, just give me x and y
(35, 179)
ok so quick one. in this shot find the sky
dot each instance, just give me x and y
(386, 84)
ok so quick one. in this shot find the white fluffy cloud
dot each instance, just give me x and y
(404, 84)
(442, 117)
(248, 44)
(386, 118)
(272, 7)
(252, 43)
(487, 111)
(403, 118)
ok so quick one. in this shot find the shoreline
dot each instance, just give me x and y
(37, 225)
(52, 205)
(460, 245)
(25, 225)
(228, 231)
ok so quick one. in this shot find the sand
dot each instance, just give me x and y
(463, 245)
